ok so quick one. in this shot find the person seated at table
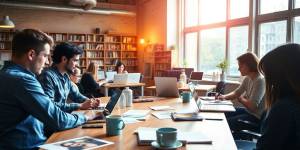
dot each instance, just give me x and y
(90, 83)
(250, 93)
(280, 129)
(57, 84)
(75, 78)
(24, 107)
(120, 68)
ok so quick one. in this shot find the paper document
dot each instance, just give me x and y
(162, 114)
(161, 107)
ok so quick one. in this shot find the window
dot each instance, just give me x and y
(297, 30)
(269, 6)
(297, 4)
(191, 10)
(212, 49)
(212, 11)
(191, 50)
(271, 35)
(239, 9)
(238, 45)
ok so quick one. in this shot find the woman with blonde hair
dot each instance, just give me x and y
(90, 83)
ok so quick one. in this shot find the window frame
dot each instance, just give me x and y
(252, 21)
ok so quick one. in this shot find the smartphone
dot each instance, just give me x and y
(92, 126)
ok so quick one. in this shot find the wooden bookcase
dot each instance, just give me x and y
(162, 60)
(103, 49)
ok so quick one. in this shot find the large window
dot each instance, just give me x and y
(297, 30)
(210, 12)
(212, 49)
(191, 50)
(269, 6)
(238, 45)
(271, 35)
(239, 9)
(228, 28)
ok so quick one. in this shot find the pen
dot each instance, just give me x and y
(215, 119)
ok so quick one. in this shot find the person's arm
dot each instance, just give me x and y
(234, 94)
(33, 100)
(256, 96)
(277, 128)
(48, 85)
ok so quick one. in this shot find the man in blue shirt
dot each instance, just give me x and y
(57, 84)
(24, 107)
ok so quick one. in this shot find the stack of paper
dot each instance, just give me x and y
(136, 114)
(162, 114)
(161, 107)
(146, 135)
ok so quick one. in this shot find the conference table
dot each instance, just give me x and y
(118, 85)
(217, 130)
(201, 89)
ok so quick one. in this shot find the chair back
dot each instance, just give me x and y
(172, 73)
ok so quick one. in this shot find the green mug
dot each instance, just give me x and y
(114, 125)
(186, 97)
(166, 137)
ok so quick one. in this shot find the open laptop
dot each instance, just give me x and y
(101, 75)
(134, 77)
(113, 101)
(120, 78)
(110, 75)
(166, 87)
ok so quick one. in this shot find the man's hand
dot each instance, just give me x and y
(90, 103)
(92, 114)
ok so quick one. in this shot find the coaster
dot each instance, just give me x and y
(175, 146)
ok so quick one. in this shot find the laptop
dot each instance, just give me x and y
(209, 107)
(110, 75)
(134, 77)
(101, 75)
(166, 87)
(120, 78)
(113, 101)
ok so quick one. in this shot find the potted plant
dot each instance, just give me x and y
(223, 65)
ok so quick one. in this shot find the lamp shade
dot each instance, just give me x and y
(6, 23)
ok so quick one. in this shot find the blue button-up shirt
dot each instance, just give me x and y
(25, 108)
(59, 87)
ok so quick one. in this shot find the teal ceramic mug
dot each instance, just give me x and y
(186, 97)
(114, 125)
(166, 137)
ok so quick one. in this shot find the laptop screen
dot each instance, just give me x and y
(110, 75)
(113, 100)
(101, 75)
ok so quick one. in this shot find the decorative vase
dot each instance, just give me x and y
(223, 76)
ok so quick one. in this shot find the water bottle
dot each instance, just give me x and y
(183, 77)
(122, 101)
(128, 94)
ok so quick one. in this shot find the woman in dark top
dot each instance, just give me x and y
(120, 68)
(281, 127)
(88, 82)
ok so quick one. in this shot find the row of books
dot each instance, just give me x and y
(5, 46)
(94, 54)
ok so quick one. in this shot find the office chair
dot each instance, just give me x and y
(220, 88)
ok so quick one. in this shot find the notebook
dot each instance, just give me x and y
(186, 116)
(166, 86)
(214, 107)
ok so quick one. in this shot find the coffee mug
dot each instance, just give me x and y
(114, 125)
(186, 96)
(166, 137)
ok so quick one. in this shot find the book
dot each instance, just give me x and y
(186, 116)
(162, 114)
(146, 135)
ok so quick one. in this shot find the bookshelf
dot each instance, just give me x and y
(162, 60)
(102, 49)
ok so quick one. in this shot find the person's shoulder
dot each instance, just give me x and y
(289, 104)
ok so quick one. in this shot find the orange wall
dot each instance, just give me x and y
(151, 24)
(55, 21)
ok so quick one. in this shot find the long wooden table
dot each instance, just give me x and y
(218, 131)
(116, 85)
(201, 89)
